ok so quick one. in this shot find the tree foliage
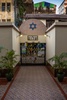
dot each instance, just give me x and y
(21, 7)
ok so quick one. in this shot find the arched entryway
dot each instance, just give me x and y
(32, 44)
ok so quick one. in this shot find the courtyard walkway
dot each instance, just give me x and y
(34, 83)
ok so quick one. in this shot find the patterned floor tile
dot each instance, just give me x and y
(34, 83)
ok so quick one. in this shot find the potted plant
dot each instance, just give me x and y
(60, 63)
(1, 65)
(9, 60)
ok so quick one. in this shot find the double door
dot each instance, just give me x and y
(33, 53)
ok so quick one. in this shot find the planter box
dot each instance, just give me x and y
(64, 70)
(3, 81)
(54, 71)
(3, 72)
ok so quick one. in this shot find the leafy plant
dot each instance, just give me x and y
(60, 61)
(60, 64)
(9, 59)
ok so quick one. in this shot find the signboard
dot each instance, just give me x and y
(32, 37)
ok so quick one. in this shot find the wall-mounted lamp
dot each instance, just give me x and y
(20, 35)
(46, 35)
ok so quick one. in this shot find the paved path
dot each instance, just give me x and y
(34, 83)
(3, 89)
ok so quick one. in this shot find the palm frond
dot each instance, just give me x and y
(60, 61)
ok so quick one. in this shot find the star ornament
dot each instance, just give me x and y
(32, 26)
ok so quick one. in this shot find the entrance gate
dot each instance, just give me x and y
(33, 53)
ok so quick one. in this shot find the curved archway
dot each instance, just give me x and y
(32, 27)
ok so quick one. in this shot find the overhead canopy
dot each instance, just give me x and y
(32, 27)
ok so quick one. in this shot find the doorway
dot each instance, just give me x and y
(33, 53)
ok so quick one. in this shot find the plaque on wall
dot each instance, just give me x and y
(32, 37)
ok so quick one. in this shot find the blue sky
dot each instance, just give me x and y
(57, 2)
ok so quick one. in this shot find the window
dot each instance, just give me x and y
(8, 7)
(3, 6)
(8, 20)
(3, 20)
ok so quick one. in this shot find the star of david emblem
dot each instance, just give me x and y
(32, 26)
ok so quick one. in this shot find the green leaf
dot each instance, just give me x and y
(60, 61)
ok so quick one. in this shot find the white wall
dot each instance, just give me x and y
(50, 44)
(5, 39)
(16, 42)
(9, 39)
(57, 43)
(61, 39)
(41, 39)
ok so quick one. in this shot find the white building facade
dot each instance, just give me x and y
(63, 7)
